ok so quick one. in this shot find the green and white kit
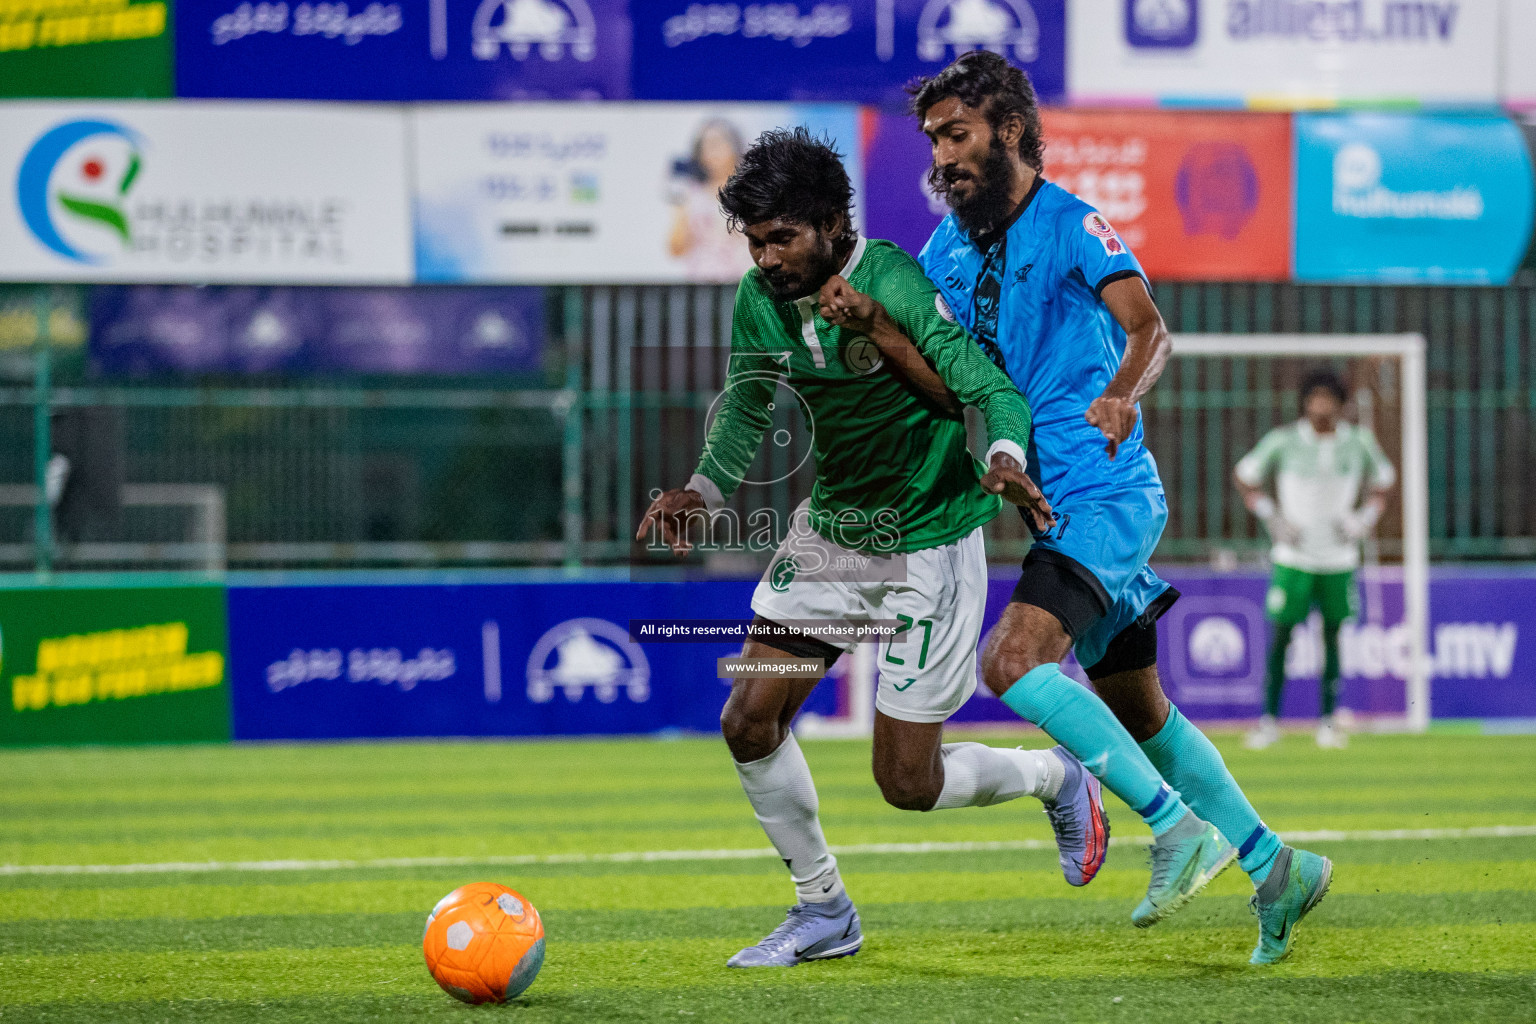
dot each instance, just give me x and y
(1318, 479)
(892, 529)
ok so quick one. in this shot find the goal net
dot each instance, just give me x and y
(1218, 396)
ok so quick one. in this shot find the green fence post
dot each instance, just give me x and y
(575, 409)
(42, 440)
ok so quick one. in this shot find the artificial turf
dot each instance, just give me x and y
(1440, 929)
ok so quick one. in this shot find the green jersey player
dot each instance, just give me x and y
(1319, 465)
(892, 530)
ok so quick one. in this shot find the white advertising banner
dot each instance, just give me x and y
(1283, 53)
(203, 192)
(1519, 64)
(552, 194)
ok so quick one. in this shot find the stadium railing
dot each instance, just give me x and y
(437, 473)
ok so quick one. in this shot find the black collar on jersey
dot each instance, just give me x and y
(986, 241)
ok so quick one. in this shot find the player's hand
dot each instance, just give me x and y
(1351, 528)
(845, 306)
(1008, 479)
(1115, 418)
(1282, 530)
(670, 511)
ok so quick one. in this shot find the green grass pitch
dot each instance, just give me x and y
(1415, 929)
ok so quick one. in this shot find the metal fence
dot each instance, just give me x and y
(353, 475)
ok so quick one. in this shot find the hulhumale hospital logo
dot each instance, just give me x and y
(73, 188)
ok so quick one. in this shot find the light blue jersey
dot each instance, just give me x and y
(1030, 296)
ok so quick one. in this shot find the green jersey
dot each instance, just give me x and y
(893, 473)
(1317, 483)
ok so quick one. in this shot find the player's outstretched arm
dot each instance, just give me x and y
(1007, 478)
(741, 418)
(1147, 348)
(845, 306)
(670, 513)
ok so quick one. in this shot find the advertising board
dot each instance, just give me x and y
(1411, 198)
(532, 659)
(203, 192)
(95, 48)
(481, 660)
(1212, 645)
(399, 51)
(1295, 54)
(1197, 196)
(114, 665)
(835, 50)
(1517, 70)
(624, 193)
(146, 330)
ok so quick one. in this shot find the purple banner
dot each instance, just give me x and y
(898, 204)
(150, 330)
(1212, 646)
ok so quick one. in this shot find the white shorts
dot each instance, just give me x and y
(937, 593)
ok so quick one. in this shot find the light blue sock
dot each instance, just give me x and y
(1078, 720)
(1191, 763)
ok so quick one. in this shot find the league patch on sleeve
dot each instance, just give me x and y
(943, 308)
(1097, 226)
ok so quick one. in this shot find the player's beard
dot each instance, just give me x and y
(990, 202)
(821, 265)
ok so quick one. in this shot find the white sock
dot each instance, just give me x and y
(976, 775)
(783, 797)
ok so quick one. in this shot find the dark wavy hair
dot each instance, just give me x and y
(985, 81)
(792, 174)
(1327, 378)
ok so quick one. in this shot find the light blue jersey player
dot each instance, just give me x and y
(1049, 264)
(1051, 293)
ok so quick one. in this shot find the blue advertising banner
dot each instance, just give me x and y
(530, 659)
(1401, 197)
(145, 330)
(433, 50)
(850, 51)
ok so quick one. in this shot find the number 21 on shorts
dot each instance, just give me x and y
(906, 625)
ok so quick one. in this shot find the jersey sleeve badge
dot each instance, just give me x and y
(1099, 227)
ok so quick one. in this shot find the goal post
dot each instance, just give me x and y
(1413, 464)
(856, 717)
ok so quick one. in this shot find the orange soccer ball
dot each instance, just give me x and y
(484, 943)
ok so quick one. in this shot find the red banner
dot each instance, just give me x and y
(1197, 196)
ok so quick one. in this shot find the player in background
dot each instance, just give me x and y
(858, 332)
(1053, 296)
(1319, 464)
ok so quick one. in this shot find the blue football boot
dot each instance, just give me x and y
(812, 931)
(1081, 823)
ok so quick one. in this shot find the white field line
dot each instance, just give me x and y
(665, 856)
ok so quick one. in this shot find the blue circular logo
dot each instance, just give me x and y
(92, 192)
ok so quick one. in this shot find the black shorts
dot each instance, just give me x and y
(1065, 588)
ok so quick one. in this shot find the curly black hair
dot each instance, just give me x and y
(1327, 378)
(985, 81)
(792, 174)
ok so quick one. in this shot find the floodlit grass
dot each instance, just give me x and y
(1413, 930)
